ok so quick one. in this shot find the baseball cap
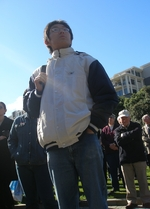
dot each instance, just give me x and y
(123, 113)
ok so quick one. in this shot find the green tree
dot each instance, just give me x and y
(120, 105)
(139, 104)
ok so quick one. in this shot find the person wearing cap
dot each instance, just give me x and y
(128, 137)
(111, 151)
(73, 100)
(146, 136)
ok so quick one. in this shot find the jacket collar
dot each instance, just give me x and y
(62, 52)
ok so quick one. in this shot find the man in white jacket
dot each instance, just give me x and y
(73, 100)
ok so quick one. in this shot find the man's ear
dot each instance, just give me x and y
(47, 43)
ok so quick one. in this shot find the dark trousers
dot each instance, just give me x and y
(148, 159)
(36, 183)
(105, 166)
(6, 199)
(113, 165)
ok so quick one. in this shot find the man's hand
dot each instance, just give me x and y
(2, 137)
(89, 131)
(40, 81)
(113, 146)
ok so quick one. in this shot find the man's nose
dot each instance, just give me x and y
(61, 30)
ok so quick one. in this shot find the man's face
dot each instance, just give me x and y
(111, 120)
(2, 110)
(124, 121)
(59, 37)
(147, 120)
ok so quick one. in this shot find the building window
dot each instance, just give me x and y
(134, 90)
(132, 72)
(119, 93)
(132, 82)
(137, 74)
(125, 91)
(124, 82)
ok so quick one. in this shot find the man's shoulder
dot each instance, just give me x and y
(144, 126)
(39, 69)
(9, 120)
(81, 53)
(118, 128)
(133, 123)
(84, 55)
(21, 117)
(85, 59)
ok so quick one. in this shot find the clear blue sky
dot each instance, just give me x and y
(116, 32)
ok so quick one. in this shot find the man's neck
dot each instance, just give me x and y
(1, 119)
(126, 125)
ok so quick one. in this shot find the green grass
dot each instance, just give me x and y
(121, 194)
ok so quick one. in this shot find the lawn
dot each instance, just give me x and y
(121, 194)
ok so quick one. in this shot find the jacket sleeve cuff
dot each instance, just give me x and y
(38, 93)
(93, 128)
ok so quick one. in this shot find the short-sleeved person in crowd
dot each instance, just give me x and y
(31, 162)
(146, 136)
(128, 137)
(7, 164)
(74, 104)
(111, 151)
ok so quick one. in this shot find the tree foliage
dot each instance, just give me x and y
(138, 104)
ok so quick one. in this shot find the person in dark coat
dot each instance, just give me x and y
(7, 164)
(128, 137)
(111, 151)
(31, 162)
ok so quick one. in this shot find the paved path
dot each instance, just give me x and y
(112, 204)
(115, 207)
(109, 207)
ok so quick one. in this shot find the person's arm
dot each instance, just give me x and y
(13, 140)
(104, 138)
(106, 142)
(5, 133)
(103, 94)
(145, 136)
(32, 98)
(123, 137)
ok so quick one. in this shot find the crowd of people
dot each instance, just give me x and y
(56, 141)
(126, 148)
(128, 137)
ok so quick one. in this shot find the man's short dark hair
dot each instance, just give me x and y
(112, 116)
(48, 27)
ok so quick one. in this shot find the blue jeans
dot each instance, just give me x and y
(36, 183)
(83, 159)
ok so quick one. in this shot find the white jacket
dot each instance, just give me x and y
(71, 96)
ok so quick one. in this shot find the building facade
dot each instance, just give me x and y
(16, 113)
(131, 80)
